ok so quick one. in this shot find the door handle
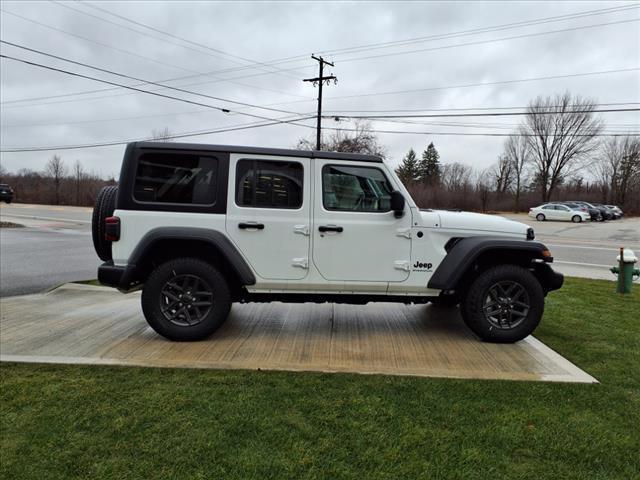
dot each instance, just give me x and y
(330, 228)
(251, 225)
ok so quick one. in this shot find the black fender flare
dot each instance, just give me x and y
(216, 239)
(467, 250)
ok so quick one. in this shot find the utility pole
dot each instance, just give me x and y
(319, 80)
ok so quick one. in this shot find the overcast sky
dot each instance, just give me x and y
(216, 46)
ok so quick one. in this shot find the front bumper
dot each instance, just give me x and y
(548, 277)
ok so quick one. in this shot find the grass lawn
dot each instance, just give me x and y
(117, 423)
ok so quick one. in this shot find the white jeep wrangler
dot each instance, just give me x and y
(198, 227)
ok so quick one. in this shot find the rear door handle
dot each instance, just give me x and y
(251, 225)
(330, 228)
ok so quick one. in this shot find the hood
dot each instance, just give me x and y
(481, 223)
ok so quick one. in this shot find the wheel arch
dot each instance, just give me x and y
(166, 243)
(472, 255)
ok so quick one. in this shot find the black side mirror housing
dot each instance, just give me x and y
(397, 204)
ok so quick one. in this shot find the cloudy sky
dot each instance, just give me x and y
(250, 58)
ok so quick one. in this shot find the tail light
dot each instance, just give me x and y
(112, 229)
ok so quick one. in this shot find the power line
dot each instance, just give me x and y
(485, 114)
(122, 75)
(337, 112)
(483, 42)
(468, 32)
(479, 84)
(137, 55)
(470, 134)
(178, 135)
(206, 47)
(134, 88)
(257, 125)
(475, 31)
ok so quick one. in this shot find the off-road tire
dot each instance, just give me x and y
(154, 300)
(104, 207)
(475, 304)
(576, 219)
(540, 217)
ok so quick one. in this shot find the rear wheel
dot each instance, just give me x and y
(104, 207)
(576, 219)
(504, 304)
(540, 217)
(186, 299)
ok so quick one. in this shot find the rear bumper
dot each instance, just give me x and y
(116, 276)
(110, 274)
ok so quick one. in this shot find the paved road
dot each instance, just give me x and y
(586, 249)
(56, 247)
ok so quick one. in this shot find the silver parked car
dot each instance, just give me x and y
(558, 211)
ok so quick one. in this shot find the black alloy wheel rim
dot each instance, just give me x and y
(506, 305)
(186, 300)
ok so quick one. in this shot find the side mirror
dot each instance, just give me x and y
(397, 204)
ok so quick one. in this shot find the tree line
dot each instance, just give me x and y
(558, 152)
(56, 184)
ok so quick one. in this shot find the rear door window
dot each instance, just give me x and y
(269, 184)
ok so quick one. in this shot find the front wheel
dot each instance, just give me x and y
(186, 299)
(540, 217)
(576, 219)
(504, 304)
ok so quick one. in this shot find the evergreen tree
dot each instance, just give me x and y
(408, 169)
(429, 171)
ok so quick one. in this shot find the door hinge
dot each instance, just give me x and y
(403, 232)
(301, 229)
(402, 265)
(300, 262)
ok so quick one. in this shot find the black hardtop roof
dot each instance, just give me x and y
(282, 152)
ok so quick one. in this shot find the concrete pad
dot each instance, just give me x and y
(96, 325)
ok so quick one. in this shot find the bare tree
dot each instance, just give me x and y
(562, 131)
(518, 154)
(162, 135)
(78, 173)
(619, 166)
(57, 170)
(359, 139)
(503, 175)
(456, 175)
(484, 182)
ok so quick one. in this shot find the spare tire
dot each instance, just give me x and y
(104, 207)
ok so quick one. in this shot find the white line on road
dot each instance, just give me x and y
(557, 245)
(55, 219)
(582, 264)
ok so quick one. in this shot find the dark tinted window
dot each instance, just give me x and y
(269, 184)
(176, 178)
(359, 189)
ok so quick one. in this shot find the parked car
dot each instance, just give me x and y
(595, 213)
(617, 211)
(6, 193)
(558, 211)
(607, 212)
(576, 206)
(198, 227)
